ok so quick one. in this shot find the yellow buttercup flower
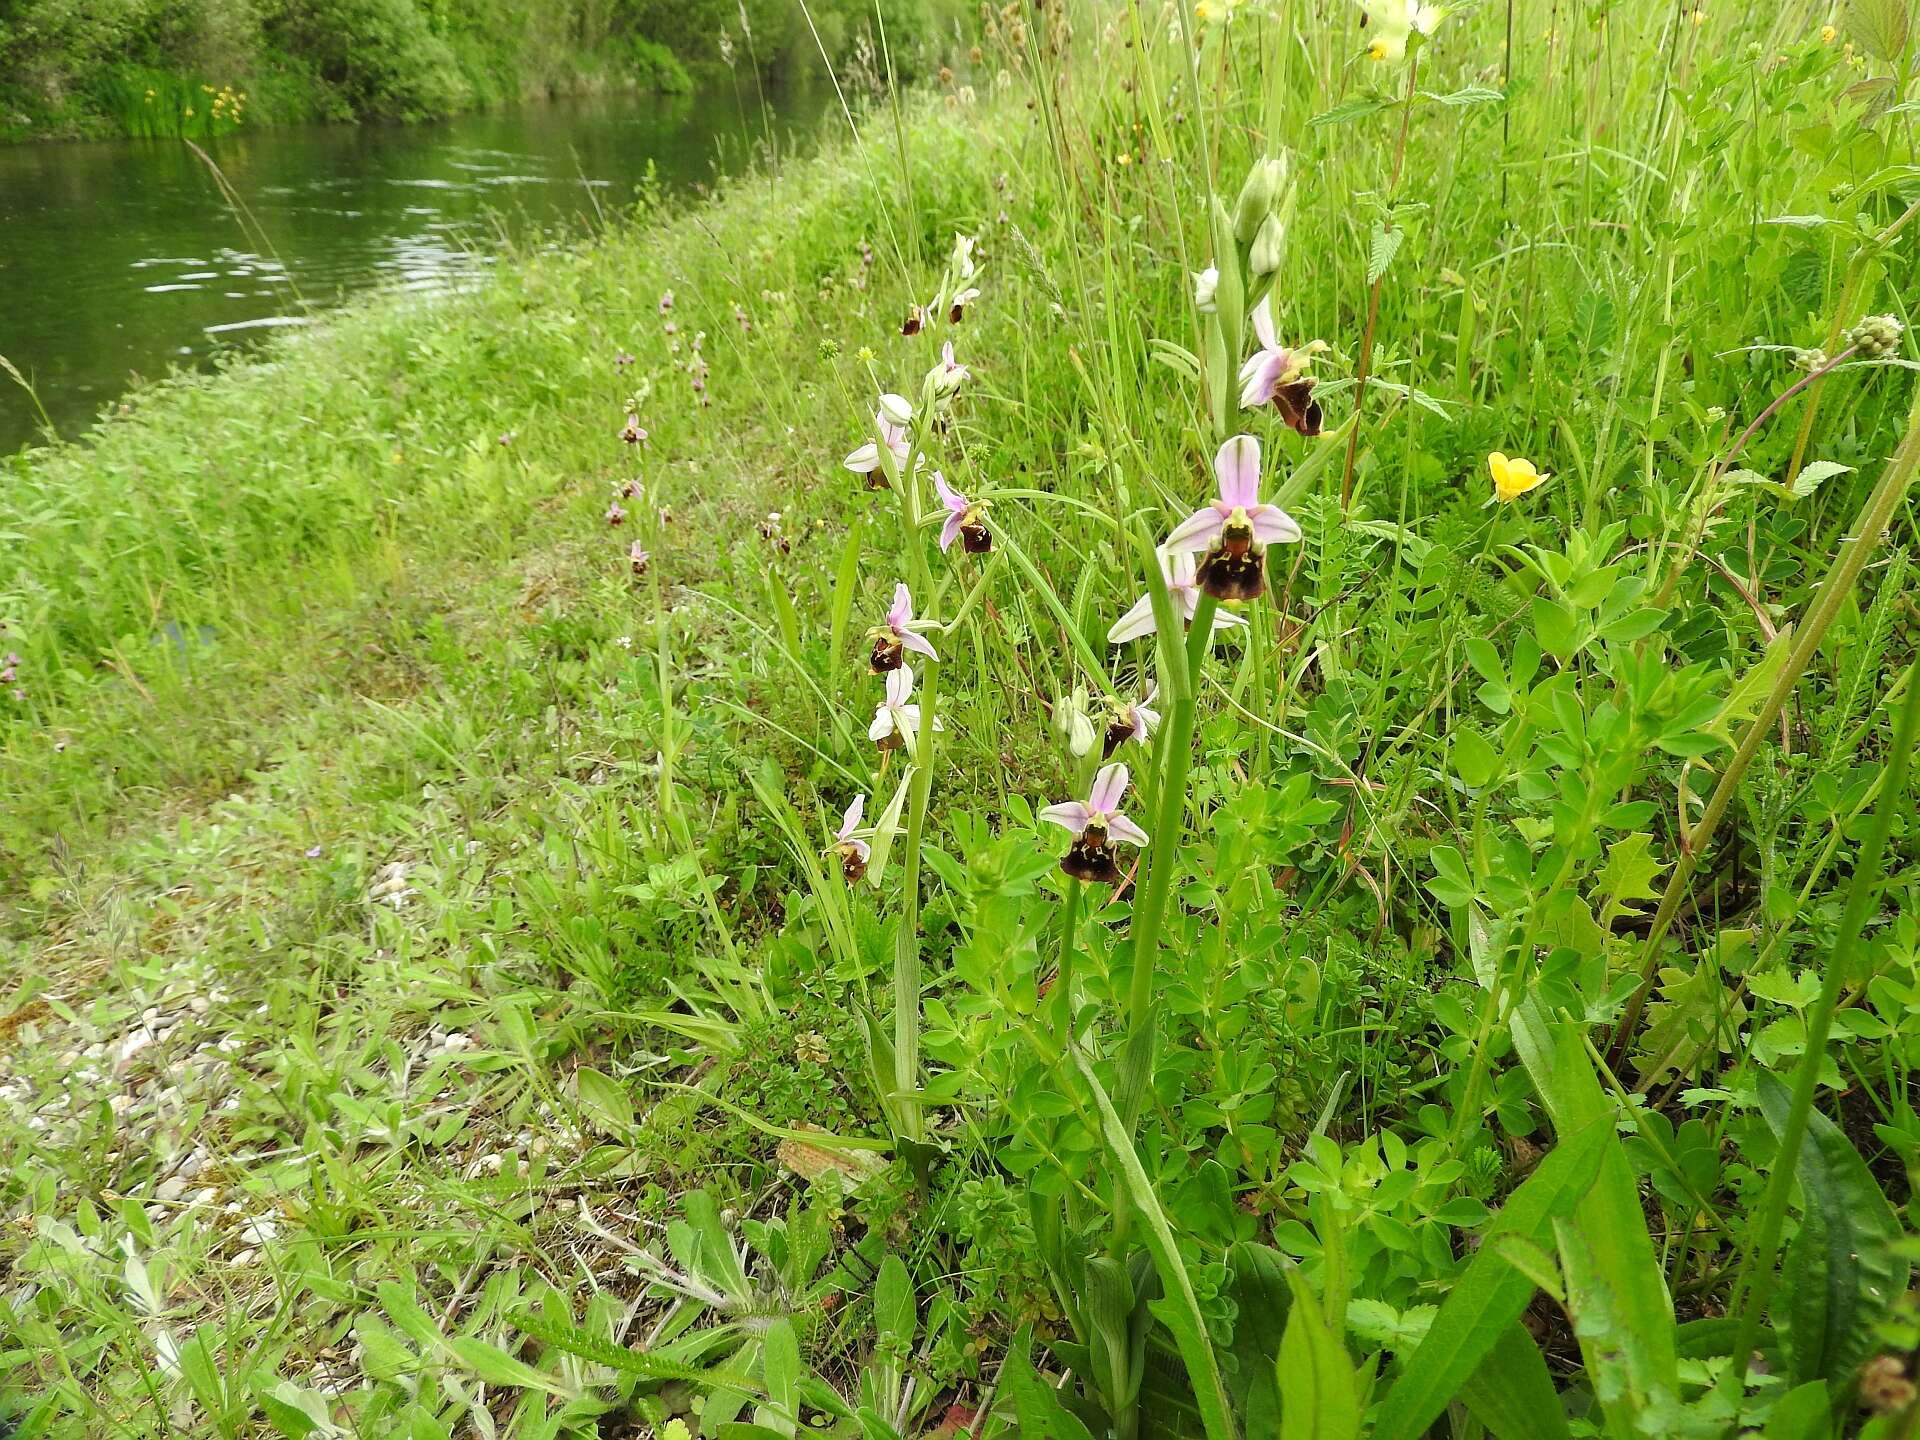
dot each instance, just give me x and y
(1828, 34)
(1513, 478)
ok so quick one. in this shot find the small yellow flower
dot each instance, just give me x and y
(1513, 478)
(1205, 12)
(1125, 158)
(1828, 34)
(1699, 18)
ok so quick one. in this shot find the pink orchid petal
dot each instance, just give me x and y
(899, 686)
(865, 460)
(906, 719)
(1136, 622)
(949, 497)
(902, 610)
(1180, 570)
(1196, 532)
(1108, 786)
(1258, 377)
(1263, 322)
(950, 529)
(850, 821)
(882, 725)
(1237, 466)
(913, 640)
(862, 849)
(1273, 526)
(1119, 827)
(1070, 816)
(1223, 619)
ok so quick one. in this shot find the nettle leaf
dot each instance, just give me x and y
(1879, 27)
(1471, 95)
(1809, 479)
(1386, 244)
(1357, 108)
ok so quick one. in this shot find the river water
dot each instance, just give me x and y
(121, 257)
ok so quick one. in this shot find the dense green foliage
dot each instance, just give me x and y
(146, 67)
(434, 998)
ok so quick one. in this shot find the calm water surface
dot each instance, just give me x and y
(119, 257)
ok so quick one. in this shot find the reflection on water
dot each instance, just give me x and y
(120, 256)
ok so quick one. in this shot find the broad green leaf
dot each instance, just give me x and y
(1878, 27)
(780, 1368)
(1355, 109)
(1841, 1271)
(606, 1101)
(1319, 1389)
(1188, 1325)
(1041, 1415)
(1380, 253)
(1490, 1294)
(495, 1366)
(1261, 1298)
(1814, 474)
(1803, 1413)
(1511, 1393)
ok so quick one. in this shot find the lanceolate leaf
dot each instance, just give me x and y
(1319, 1391)
(1490, 1294)
(1511, 1392)
(1041, 1415)
(1183, 1310)
(1841, 1272)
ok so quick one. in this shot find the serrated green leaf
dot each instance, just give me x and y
(1879, 27)
(1380, 252)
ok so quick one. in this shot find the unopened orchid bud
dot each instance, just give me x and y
(1206, 285)
(1258, 196)
(896, 410)
(1268, 245)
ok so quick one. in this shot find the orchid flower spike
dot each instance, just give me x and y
(1276, 375)
(965, 522)
(638, 558)
(853, 851)
(632, 431)
(899, 633)
(1126, 722)
(1178, 572)
(1094, 825)
(1235, 529)
(896, 720)
(616, 512)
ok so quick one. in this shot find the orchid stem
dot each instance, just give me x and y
(1163, 856)
(1063, 973)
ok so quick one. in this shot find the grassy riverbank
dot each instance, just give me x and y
(207, 67)
(430, 1000)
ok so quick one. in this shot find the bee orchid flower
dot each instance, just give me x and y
(1126, 722)
(1095, 825)
(1277, 376)
(1236, 528)
(896, 719)
(854, 852)
(899, 633)
(946, 378)
(965, 522)
(890, 425)
(1178, 572)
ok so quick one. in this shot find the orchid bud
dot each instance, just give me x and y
(1267, 247)
(1071, 719)
(896, 410)
(1206, 284)
(1265, 181)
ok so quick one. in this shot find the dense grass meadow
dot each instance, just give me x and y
(1293, 819)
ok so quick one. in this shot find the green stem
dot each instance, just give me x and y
(1063, 972)
(1163, 854)
(1756, 1266)
(1834, 589)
